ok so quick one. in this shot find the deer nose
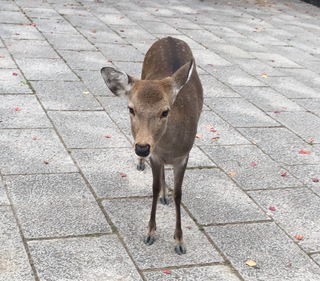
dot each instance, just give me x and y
(142, 150)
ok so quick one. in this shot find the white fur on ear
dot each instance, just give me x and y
(119, 82)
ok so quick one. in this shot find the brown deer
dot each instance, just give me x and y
(164, 106)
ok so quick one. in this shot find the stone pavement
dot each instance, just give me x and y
(252, 189)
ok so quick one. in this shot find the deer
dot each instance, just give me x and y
(164, 107)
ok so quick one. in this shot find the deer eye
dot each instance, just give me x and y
(165, 113)
(131, 110)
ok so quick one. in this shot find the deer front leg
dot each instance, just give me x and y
(157, 170)
(179, 170)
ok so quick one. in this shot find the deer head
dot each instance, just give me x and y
(149, 102)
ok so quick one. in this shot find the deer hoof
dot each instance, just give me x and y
(164, 200)
(180, 249)
(141, 166)
(149, 240)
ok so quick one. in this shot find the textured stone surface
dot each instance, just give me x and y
(131, 219)
(277, 257)
(62, 206)
(86, 258)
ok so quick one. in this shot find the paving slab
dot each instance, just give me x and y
(103, 169)
(275, 60)
(213, 273)
(282, 145)
(131, 217)
(14, 31)
(22, 111)
(267, 99)
(13, 82)
(240, 113)
(250, 168)
(312, 105)
(65, 95)
(120, 52)
(290, 216)
(55, 25)
(48, 154)
(304, 124)
(86, 258)
(62, 205)
(213, 130)
(13, 257)
(3, 196)
(88, 129)
(277, 257)
(5, 59)
(213, 198)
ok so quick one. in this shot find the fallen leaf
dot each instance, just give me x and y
(107, 136)
(33, 24)
(299, 237)
(18, 109)
(34, 138)
(189, 227)
(253, 164)
(284, 174)
(46, 162)
(2, 57)
(311, 141)
(198, 136)
(123, 175)
(14, 73)
(232, 173)
(251, 263)
(264, 75)
(213, 130)
(215, 138)
(315, 180)
(276, 112)
(86, 92)
(166, 271)
(272, 208)
(93, 30)
(303, 151)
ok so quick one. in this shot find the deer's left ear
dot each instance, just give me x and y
(119, 82)
(182, 76)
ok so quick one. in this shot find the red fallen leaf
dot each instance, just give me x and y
(33, 24)
(166, 271)
(46, 162)
(272, 208)
(213, 130)
(284, 174)
(107, 136)
(121, 30)
(315, 180)
(14, 73)
(34, 138)
(299, 237)
(189, 227)
(311, 141)
(303, 151)
(123, 175)
(18, 109)
(253, 164)
(2, 57)
(276, 111)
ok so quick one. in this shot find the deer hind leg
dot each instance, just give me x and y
(157, 171)
(179, 170)
(141, 164)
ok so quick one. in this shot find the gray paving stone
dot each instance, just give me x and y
(159, 27)
(277, 257)
(46, 69)
(131, 217)
(291, 217)
(117, 52)
(132, 68)
(3, 196)
(266, 39)
(86, 60)
(94, 82)
(230, 52)
(31, 115)
(13, 31)
(69, 42)
(291, 88)
(208, 60)
(235, 76)
(13, 258)
(213, 273)
(13, 17)
(204, 37)
(117, 19)
(304, 124)
(223, 31)
(88, 129)
(13, 82)
(223, 134)
(306, 76)
(250, 168)
(212, 87)
(31, 49)
(275, 60)
(130, 32)
(282, 145)
(267, 99)
(9, 6)
(86, 258)
(103, 170)
(293, 53)
(305, 173)
(41, 12)
(240, 113)
(62, 206)
(63, 95)
(15, 148)
(56, 25)
(5, 59)
(312, 105)
(248, 45)
(316, 258)
(213, 198)
(198, 159)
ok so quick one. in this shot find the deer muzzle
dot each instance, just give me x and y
(142, 150)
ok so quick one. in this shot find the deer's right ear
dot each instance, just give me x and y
(119, 82)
